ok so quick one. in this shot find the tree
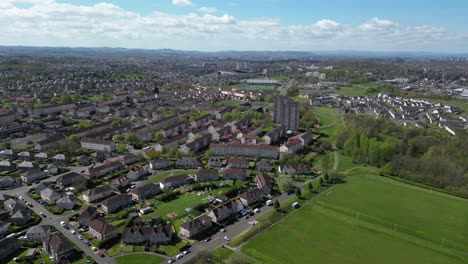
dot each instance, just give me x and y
(284, 182)
(276, 205)
(131, 138)
(298, 192)
(158, 136)
(325, 177)
(74, 138)
(121, 148)
(65, 99)
(321, 181)
(310, 187)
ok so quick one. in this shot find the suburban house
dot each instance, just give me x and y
(234, 174)
(7, 182)
(215, 162)
(188, 163)
(275, 135)
(238, 163)
(116, 203)
(24, 155)
(263, 165)
(69, 179)
(263, 182)
(120, 182)
(8, 246)
(38, 233)
(57, 246)
(60, 160)
(67, 202)
(8, 154)
(138, 172)
(41, 186)
(21, 217)
(196, 226)
(41, 157)
(101, 230)
(174, 181)
(50, 195)
(292, 146)
(148, 234)
(196, 145)
(33, 175)
(299, 168)
(145, 191)
(98, 144)
(3, 228)
(97, 193)
(159, 164)
(200, 121)
(52, 169)
(88, 215)
(128, 159)
(221, 213)
(204, 175)
(245, 150)
(6, 165)
(251, 196)
(50, 142)
(27, 166)
(101, 170)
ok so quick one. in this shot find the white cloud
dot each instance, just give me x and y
(50, 23)
(209, 10)
(182, 2)
(376, 24)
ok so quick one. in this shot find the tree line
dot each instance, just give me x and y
(430, 156)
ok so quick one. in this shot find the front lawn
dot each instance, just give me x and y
(178, 205)
(140, 258)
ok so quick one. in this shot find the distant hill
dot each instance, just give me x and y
(81, 51)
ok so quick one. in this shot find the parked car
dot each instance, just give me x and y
(179, 256)
(80, 237)
(207, 239)
(227, 238)
(223, 230)
(101, 254)
(172, 260)
(186, 252)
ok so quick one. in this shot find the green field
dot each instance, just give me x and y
(317, 235)
(355, 221)
(417, 211)
(139, 258)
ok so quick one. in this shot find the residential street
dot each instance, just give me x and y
(54, 220)
(232, 232)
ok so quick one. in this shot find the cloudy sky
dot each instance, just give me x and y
(212, 25)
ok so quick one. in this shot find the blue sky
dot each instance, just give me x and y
(446, 13)
(397, 25)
